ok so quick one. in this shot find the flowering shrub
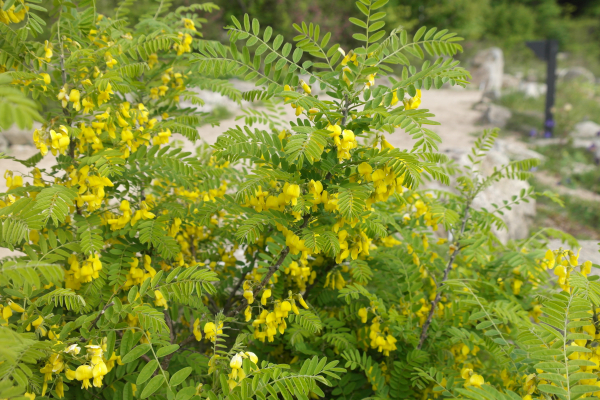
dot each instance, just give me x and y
(299, 261)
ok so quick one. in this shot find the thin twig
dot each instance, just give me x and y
(237, 286)
(169, 322)
(345, 109)
(100, 314)
(167, 359)
(212, 304)
(263, 283)
(438, 296)
(235, 289)
(269, 274)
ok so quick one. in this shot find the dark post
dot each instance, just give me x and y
(547, 51)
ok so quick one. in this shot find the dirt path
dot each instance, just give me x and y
(452, 108)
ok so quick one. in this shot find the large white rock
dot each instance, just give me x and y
(487, 70)
(496, 116)
(517, 219)
(577, 73)
(586, 129)
(516, 150)
(17, 136)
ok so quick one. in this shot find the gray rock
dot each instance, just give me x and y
(577, 73)
(519, 218)
(533, 89)
(586, 129)
(496, 115)
(17, 136)
(487, 70)
(510, 82)
(516, 150)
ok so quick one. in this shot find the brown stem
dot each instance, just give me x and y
(100, 314)
(169, 322)
(269, 274)
(212, 304)
(167, 359)
(237, 286)
(235, 289)
(345, 109)
(264, 282)
(438, 296)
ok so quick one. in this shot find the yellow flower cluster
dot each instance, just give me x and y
(344, 141)
(385, 181)
(237, 373)
(300, 273)
(78, 274)
(91, 187)
(414, 102)
(136, 275)
(11, 15)
(269, 323)
(380, 339)
(563, 262)
(57, 141)
(184, 45)
(471, 378)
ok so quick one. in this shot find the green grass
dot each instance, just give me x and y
(580, 218)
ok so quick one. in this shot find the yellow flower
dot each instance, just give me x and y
(516, 286)
(236, 367)
(365, 170)
(152, 60)
(160, 300)
(305, 86)
(291, 193)
(189, 24)
(413, 102)
(84, 373)
(70, 374)
(197, 332)
(476, 380)
(362, 313)
(59, 140)
(60, 390)
(73, 350)
(211, 331)
(98, 373)
(249, 296)
(63, 97)
(88, 105)
(47, 51)
(15, 307)
(111, 63)
(74, 98)
(386, 145)
(302, 302)
(265, 296)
